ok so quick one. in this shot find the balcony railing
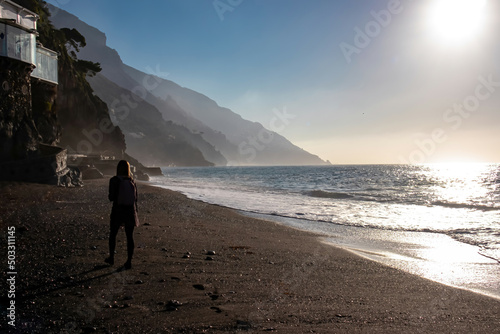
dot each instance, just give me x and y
(46, 65)
(17, 43)
(20, 16)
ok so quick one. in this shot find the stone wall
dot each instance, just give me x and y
(18, 134)
(49, 165)
(24, 127)
(44, 110)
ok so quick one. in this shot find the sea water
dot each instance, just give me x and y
(420, 218)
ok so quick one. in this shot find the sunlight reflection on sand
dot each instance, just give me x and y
(434, 256)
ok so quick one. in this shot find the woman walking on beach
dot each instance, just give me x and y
(123, 194)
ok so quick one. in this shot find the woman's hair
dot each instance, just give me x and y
(123, 169)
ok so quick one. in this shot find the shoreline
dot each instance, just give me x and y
(380, 246)
(373, 257)
(400, 250)
(262, 277)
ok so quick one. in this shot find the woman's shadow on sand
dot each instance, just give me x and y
(69, 282)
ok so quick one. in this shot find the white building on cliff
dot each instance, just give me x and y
(18, 31)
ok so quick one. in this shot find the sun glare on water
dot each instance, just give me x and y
(457, 21)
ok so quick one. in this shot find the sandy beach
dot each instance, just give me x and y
(201, 268)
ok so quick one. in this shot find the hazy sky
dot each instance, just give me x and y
(366, 81)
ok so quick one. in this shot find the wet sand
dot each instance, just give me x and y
(434, 256)
(201, 268)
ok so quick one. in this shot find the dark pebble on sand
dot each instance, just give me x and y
(209, 258)
(172, 305)
(210, 253)
(216, 309)
(139, 282)
(198, 286)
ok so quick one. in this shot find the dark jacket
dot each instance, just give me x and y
(122, 214)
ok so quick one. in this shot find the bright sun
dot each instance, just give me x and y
(456, 21)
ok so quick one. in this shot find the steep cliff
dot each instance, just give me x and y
(18, 133)
(70, 115)
(151, 139)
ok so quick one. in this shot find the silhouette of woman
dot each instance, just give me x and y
(123, 194)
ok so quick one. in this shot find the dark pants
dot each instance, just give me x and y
(122, 216)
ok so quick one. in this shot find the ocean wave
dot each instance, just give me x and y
(453, 205)
(484, 238)
(328, 194)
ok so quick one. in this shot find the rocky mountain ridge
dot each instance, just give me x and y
(222, 136)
